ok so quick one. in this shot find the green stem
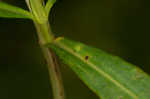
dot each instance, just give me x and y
(46, 36)
(53, 68)
(44, 32)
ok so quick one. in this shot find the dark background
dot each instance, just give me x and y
(120, 27)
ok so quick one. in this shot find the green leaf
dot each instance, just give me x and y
(9, 11)
(108, 76)
(49, 5)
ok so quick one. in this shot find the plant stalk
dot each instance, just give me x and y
(46, 36)
(53, 68)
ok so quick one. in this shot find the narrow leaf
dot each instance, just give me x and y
(108, 76)
(49, 5)
(9, 11)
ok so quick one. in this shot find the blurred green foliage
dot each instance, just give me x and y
(118, 27)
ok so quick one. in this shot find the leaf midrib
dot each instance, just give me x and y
(59, 44)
